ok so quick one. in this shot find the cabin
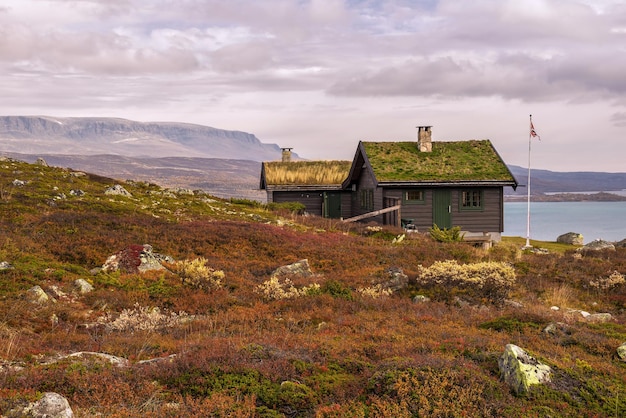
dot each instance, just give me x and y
(414, 184)
(315, 184)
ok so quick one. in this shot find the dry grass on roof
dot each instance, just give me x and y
(306, 172)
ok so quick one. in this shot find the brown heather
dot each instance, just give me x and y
(343, 349)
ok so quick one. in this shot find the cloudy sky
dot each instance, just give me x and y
(320, 75)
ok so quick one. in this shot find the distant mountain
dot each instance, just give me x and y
(545, 181)
(92, 136)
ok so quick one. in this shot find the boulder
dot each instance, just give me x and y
(51, 405)
(557, 329)
(421, 299)
(87, 356)
(398, 280)
(299, 269)
(117, 190)
(621, 244)
(621, 352)
(597, 245)
(83, 286)
(136, 259)
(37, 295)
(5, 265)
(520, 370)
(42, 162)
(599, 317)
(572, 238)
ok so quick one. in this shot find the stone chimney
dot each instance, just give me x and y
(286, 154)
(424, 139)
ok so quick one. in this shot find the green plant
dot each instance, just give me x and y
(446, 235)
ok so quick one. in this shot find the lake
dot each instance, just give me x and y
(548, 220)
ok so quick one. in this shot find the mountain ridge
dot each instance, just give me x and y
(118, 136)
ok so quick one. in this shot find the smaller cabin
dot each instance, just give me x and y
(315, 184)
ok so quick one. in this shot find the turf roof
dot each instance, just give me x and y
(306, 172)
(475, 160)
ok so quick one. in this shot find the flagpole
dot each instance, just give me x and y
(528, 187)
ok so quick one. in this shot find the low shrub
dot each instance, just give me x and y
(196, 273)
(445, 234)
(490, 280)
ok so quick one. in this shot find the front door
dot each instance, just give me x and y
(332, 205)
(442, 208)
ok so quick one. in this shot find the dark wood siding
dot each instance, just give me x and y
(312, 200)
(489, 219)
(420, 213)
(366, 182)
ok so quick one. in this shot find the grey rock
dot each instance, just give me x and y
(621, 352)
(599, 317)
(117, 190)
(5, 265)
(83, 286)
(42, 162)
(520, 370)
(421, 299)
(299, 269)
(597, 245)
(556, 329)
(572, 238)
(19, 183)
(51, 405)
(136, 258)
(398, 279)
(37, 295)
(77, 192)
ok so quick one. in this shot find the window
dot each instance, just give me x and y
(366, 199)
(413, 196)
(471, 200)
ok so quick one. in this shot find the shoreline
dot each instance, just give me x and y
(568, 197)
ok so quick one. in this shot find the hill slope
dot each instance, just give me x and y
(235, 324)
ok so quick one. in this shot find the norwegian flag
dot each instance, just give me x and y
(533, 133)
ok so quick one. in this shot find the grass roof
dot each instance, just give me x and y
(474, 160)
(306, 172)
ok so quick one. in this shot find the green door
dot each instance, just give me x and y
(332, 205)
(442, 201)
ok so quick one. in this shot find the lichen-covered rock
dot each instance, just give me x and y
(597, 245)
(136, 259)
(599, 317)
(51, 405)
(5, 265)
(37, 295)
(299, 269)
(83, 286)
(621, 352)
(398, 280)
(421, 299)
(572, 238)
(99, 357)
(117, 190)
(520, 370)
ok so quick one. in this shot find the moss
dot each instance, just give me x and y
(448, 161)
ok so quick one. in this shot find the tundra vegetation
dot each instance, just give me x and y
(215, 333)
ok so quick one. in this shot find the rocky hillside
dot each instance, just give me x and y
(124, 299)
(89, 136)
